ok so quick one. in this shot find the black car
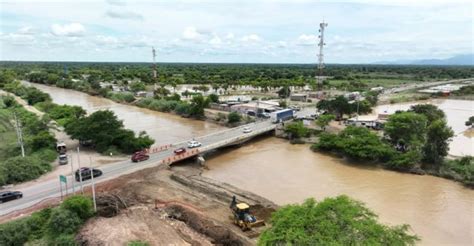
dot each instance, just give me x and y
(6, 196)
(86, 173)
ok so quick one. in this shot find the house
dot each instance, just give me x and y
(299, 97)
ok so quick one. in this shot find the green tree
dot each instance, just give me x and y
(431, 112)
(296, 130)
(80, 205)
(361, 144)
(407, 127)
(198, 103)
(470, 121)
(43, 139)
(284, 92)
(333, 221)
(439, 135)
(214, 98)
(233, 117)
(137, 86)
(323, 120)
(63, 221)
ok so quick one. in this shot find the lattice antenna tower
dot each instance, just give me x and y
(322, 27)
(154, 61)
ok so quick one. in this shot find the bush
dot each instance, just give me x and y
(296, 130)
(14, 232)
(19, 169)
(233, 117)
(460, 169)
(334, 221)
(80, 205)
(47, 155)
(137, 243)
(62, 221)
(41, 140)
(64, 240)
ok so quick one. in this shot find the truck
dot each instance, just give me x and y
(281, 115)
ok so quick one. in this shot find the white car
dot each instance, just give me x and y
(247, 129)
(193, 144)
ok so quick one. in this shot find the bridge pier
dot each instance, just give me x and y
(201, 161)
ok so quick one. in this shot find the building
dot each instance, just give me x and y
(299, 97)
(255, 107)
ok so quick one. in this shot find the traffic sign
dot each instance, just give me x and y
(62, 178)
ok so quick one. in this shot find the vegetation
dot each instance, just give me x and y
(296, 130)
(470, 121)
(333, 221)
(461, 169)
(355, 142)
(137, 243)
(55, 226)
(103, 130)
(234, 117)
(38, 141)
(323, 120)
(341, 106)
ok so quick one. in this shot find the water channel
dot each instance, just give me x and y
(438, 210)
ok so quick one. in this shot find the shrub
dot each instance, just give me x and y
(333, 221)
(64, 240)
(19, 169)
(41, 140)
(233, 117)
(47, 155)
(137, 243)
(80, 205)
(63, 221)
(14, 232)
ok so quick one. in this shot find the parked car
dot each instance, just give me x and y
(62, 159)
(193, 144)
(140, 156)
(85, 173)
(6, 196)
(247, 129)
(180, 151)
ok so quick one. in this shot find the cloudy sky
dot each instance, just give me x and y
(269, 31)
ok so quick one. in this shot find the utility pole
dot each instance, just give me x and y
(80, 171)
(154, 62)
(321, 44)
(72, 175)
(93, 185)
(19, 134)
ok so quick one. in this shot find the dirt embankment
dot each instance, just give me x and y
(170, 207)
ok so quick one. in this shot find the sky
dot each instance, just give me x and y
(246, 31)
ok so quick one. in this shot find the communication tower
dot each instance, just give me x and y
(154, 61)
(321, 44)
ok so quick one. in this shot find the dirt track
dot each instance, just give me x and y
(170, 207)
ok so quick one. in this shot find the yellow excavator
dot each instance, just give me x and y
(242, 216)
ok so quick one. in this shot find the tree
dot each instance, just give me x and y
(233, 117)
(198, 103)
(214, 98)
(296, 130)
(470, 121)
(406, 127)
(323, 120)
(431, 112)
(137, 86)
(361, 144)
(63, 221)
(333, 221)
(284, 92)
(80, 205)
(43, 139)
(439, 135)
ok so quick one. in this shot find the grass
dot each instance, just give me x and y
(386, 83)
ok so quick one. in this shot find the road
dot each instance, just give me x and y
(423, 85)
(50, 189)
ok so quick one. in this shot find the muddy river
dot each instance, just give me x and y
(439, 210)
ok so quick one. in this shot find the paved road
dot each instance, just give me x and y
(49, 189)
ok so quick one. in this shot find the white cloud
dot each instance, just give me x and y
(117, 2)
(70, 30)
(26, 30)
(307, 40)
(215, 40)
(252, 38)
(124, 15)
(191, 33)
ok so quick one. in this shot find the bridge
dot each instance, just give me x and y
(161, 155)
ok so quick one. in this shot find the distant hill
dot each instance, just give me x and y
(466, 59)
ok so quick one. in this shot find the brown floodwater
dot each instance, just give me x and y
(438, 210)
(163, 127)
